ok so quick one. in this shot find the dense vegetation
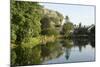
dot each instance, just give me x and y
(30, 20)
(32, 24)
(25, 21)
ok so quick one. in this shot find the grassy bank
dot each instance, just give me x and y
(35, 41)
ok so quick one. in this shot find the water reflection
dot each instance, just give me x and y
(49, 51)
(67, 44)
(82, 42)
(36, 55)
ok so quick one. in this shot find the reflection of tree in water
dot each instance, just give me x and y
(67, 44)
(26, 56)
(48, 51)
(37, 54)
(92, 42)
(82, 42)
(67, 53)
(51, 50)
(92, 36)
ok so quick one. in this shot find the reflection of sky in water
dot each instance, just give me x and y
(76, 13)
(87, 54)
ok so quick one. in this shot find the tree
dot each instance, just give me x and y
(47, 27)
(49, 21)
(25, 20)
(67, 27)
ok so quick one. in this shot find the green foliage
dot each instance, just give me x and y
(56, 18)
(32, 42)
(47, 26)
(29, 27)
(28, 20)
(67, 28)
(49, 22)
(45, 22)
(52, 31)
(25, 20)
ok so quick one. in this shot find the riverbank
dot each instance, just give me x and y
(35, 41)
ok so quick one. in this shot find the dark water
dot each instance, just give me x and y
(59, 51)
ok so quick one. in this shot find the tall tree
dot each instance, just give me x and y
(49, 22)
(67, 27)
(25, 20)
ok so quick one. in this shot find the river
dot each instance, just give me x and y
(58, 51)
(79, 50)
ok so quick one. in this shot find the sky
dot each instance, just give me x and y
(77, 13)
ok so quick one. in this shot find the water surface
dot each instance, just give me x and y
(57, 51)
(77, 50)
